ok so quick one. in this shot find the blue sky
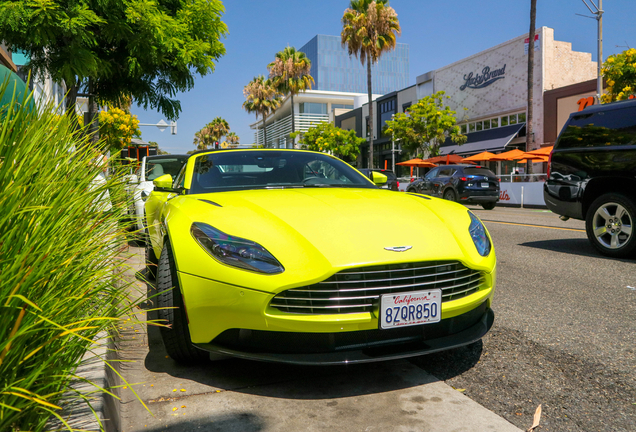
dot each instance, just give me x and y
(438, 33)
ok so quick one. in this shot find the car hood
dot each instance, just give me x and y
(318, 231)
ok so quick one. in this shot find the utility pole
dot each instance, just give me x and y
(599, 19)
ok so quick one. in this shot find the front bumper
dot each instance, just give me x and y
(239, 321)
(357, 347)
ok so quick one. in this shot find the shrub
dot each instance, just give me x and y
(58, 260)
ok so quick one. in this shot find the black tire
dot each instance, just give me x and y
(488, 206)
(176, 337)
(411, 190)
(151, 262)
(449, 195)
(612, 212)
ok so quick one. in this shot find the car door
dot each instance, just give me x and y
(441, 181)
(426, 186)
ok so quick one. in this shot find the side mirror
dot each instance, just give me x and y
(378, 178)
(163, 182)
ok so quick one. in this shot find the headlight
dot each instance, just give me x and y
(235, 251)
(478, 234)
(144, 195)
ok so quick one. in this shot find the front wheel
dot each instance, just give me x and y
(449, 195)
(609, 224)
(488, 206)
(176, 337)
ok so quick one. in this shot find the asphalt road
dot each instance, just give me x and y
(564, 333)
(563, 337)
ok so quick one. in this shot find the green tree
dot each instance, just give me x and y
(159, 151)
(369, 29)
(425, 125)
(261, 98)
(325, 137)
(211, 133)
(619, 71)
(289, 73)
(147, 50)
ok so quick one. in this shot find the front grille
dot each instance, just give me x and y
(359, 289)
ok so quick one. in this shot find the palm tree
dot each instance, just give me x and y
(219, 127)
(290, 74)
(232, 140)
(211, 133)
(262, 98)
(369, 29)
(529, 132)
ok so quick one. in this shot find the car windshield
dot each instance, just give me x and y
(158, 167)
(240, 170)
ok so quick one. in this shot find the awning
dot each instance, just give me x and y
(489, 140)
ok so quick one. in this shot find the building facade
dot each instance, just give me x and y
(334, 70)
(488, 91)
(310, 107)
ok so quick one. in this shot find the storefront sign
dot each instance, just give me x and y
(486, 78)
(528, 193)
(526, 43)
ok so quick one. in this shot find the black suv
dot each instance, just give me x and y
(592, 175)
(467, 184)
(392, 182)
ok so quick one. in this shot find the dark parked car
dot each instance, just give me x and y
(392, 182)
(592, 175)
(467, 184)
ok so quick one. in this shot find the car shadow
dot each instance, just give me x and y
(308, 382)
(241, 421)
(573, 246)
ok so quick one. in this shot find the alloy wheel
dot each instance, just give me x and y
(612, 225)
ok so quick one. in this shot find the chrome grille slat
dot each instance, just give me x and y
(345, 272)
(324, 307)
(385, 287)
(386, 280)
(339, 294)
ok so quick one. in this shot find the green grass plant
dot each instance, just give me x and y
(60, 269)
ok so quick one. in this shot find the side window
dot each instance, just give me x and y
(604, 128)
(180, 180)
(431, 174)
(445, 172)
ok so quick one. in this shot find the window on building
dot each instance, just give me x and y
(521, 117)
(312, 108)
(471, 127)
(504, 121)
(486, 124)
(464, 129)
(494, 122)
(367, 128)
(478, 126)
(513, 119)
(406, 106)
(344, 106)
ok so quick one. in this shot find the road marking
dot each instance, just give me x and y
(534, 226)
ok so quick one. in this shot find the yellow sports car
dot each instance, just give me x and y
(294, 256)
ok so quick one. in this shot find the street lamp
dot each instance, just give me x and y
(162, 126)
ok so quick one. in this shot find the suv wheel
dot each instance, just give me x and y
(449, 195)
(609, 225)
(488, 206)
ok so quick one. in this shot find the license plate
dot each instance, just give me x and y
(411, 308)
(485, 185)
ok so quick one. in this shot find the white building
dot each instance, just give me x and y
(310, 107)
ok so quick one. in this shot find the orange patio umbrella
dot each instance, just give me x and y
(447, 160)
(417, 162)
(509, 155)
(532, 158)
(543, 151)
(483, 156)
